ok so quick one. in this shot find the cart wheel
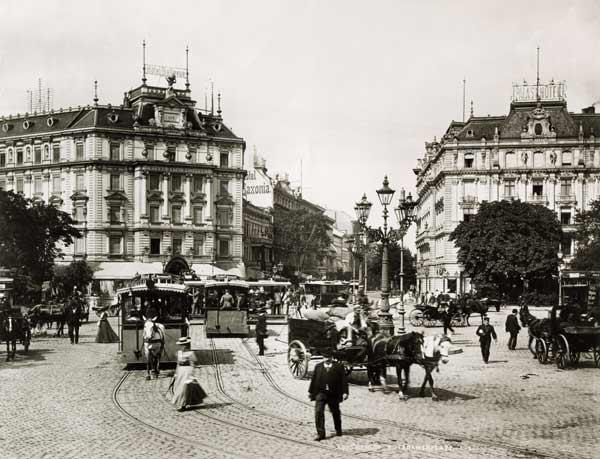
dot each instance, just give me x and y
(574, 357)
(561, 352)
(298, 358)
(416, 318)
(597, 356)
(541, 350)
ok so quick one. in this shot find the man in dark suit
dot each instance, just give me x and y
(73, 316)
(261, 331)
(512, 327)
(486, 332)
(328, 386)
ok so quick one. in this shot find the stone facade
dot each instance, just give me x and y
(538, 153)
(258, 241)
(145, 181)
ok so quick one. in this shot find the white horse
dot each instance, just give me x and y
(435, 348)
(154, 344)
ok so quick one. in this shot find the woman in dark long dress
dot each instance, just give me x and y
(105, 332)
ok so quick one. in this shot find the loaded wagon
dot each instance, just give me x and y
(310, 339)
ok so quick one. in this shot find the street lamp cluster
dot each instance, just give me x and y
(405, 214)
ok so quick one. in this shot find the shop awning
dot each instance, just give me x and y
(124, 270)
(207, 270)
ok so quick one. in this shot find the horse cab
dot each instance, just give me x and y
(13, 326)
(228, 318)
(162, 298)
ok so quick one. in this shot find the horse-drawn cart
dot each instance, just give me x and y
(312, 339)
(563, 342)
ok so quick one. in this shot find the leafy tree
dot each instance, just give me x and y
(394, 253)
(301, 237)
(30, 235)
(587, 236)
(508, 243)
(76, 274)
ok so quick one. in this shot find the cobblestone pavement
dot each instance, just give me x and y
(66, 400)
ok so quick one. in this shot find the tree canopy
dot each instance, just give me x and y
(508, 241)
(76, 274)
(587, 236)
(30, 235)
(394, 253)
(302, 237)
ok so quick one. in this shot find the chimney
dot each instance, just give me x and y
(589, 110)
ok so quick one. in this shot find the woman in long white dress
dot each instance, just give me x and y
(185, 389)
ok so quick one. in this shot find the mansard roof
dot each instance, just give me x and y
(564, 123)
(137, 112)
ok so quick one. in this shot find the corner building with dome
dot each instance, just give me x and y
(153, 183)
(539, 153)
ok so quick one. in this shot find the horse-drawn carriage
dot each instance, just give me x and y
(312, 339)
(14, 327)
(563, 337)
(308, 339)
(425, 315)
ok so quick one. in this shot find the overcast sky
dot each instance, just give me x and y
(352, 88)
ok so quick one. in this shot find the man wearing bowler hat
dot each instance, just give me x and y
(328, 386)
(261, 330)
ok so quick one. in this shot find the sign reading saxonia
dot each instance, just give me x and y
(258, 188)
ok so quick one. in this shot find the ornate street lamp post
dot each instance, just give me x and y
(405, 213)
(351, 250)
(386, 235)
(362, 209)
(560, 260)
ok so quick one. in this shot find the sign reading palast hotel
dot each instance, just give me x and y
(538, 153)
(149, 181)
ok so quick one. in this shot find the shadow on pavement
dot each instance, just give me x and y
(360, 432)
(206, 357)
(498, 361)
(443, 394)
(22, 359)
(209, 406)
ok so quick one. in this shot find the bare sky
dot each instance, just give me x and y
(353, 88)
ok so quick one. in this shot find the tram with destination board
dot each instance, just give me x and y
(163, 297)
(225, 303)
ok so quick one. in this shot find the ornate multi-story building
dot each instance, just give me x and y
(539, 153)
(151, 180)
(258, 241)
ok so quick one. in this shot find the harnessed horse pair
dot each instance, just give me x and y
(154, 345)
(402, 351)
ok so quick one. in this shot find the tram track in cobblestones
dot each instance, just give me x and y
(451, 438)
(245, 406)
(141, 422)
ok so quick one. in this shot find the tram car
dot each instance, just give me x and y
(220, 319)
(163, 296)
(263, 290)
(324, 292)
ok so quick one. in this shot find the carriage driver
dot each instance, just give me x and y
(354, 323)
